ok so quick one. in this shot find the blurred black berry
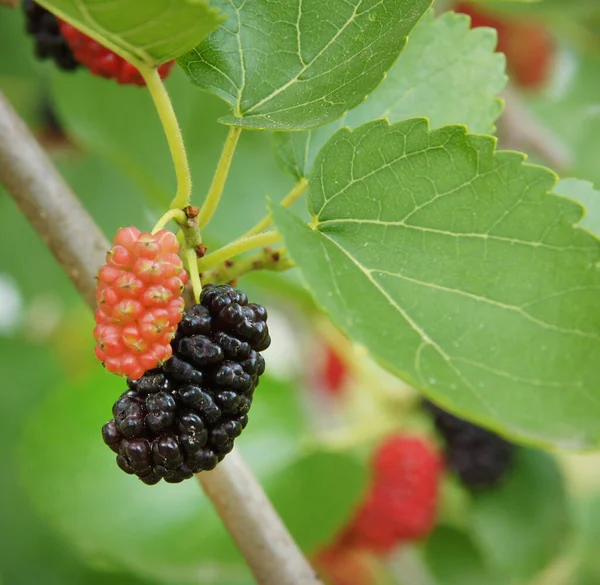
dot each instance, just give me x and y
(479, 457)
(184, 417)
(44, 27)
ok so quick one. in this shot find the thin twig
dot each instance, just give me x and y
(236, 248)
(80, 247)
(265, 259)
(518, 129)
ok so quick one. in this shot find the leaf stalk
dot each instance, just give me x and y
(166, 113)
(218, 184)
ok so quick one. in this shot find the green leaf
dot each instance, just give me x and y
(586, 547)
(453, 559)
(33, 553)
(447, 73)
(584, 193)
(153, 31)
(171, 532)
(521, 525)
(301, 63)
(317, 478)
(461, 273)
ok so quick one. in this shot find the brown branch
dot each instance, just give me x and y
(49, 204)
(256, 523)
(10, 3)
(80, 247)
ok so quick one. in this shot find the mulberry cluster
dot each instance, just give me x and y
(49, 41)
(69, 48)
(479, 457)
(401, 504)
(139, 301)
(183, 417)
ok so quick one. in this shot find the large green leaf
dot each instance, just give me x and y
(167, 532)
(453, 559)
(521, 525)
(301, 63)
(447, 73)
(152, 31)
(461, 273)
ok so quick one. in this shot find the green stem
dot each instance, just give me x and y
(164, 107)
(287, 201)
(265, 259)
(192, 266)
(177, 214)
(218, 184)
(237, 247)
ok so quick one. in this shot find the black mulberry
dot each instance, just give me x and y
(184, 417)
(479, 457)
(44, 27)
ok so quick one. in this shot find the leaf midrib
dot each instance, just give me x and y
(306, 67)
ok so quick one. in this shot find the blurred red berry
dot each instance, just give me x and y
(334, 375)
(101, 61)
(529, 46)
(402, 501)
(337, 565)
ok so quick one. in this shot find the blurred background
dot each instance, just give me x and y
(70, 516)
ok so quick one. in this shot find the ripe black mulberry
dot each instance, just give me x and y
(184, 417)
(44, 27)
(480, 458)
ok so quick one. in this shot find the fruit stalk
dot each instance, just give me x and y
(177, 215)
(191, 261)
(80, 248)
